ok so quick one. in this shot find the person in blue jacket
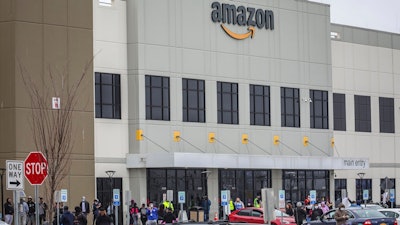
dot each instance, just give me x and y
(152, 214)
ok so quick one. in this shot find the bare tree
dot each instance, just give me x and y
(52, 128)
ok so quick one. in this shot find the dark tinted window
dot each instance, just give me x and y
(340, 189)
(290, 107)
(298, 183)
(193, 100)
(245, 184)
(319, 109)
(260, 113)
(386, 115)
(108, 95)
(157, 98)
(339, 111)
(228, 103)
(363, 184)
(362, 110)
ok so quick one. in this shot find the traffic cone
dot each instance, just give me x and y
(216, 217)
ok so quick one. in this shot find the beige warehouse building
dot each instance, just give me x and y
(186, 97)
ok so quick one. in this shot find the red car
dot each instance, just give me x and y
(255, 215)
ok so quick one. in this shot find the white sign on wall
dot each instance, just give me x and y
(55, 103)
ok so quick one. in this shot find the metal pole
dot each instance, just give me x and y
(116, 215)
(36, 204)
(58, 212)
(16, 209)
(2, 195)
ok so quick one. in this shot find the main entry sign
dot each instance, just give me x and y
(15, 172)
(36, 168)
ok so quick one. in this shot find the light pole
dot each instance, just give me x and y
(361, 175)
(110, 174)
(2, 172)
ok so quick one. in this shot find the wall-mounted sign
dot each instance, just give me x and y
(241, 16)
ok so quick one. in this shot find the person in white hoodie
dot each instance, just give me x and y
(23, 211)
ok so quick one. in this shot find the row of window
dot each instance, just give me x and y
(108, 104)
(386, 184)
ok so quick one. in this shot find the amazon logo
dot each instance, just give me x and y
(241, 16)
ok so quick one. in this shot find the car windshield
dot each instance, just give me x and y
(368, 213)
(280, 213)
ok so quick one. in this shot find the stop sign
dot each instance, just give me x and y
(35, 168)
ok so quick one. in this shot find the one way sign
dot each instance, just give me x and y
(15, 175)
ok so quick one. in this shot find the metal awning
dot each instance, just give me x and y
(242, 161)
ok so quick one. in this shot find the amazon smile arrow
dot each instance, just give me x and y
(239, 36)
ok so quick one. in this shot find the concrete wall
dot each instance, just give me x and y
(364, 63)
(44, 37)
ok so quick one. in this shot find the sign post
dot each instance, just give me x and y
(15, 182)
(282, 202)
(313, 197)
(181, 200)
(391, 196)
(365, 196)
(225, 196)
(35, 170)
(116, 203)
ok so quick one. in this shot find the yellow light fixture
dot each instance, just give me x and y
(305, 141)
(177, 136)
(139, 135)
(245, 139)
(276, 140)
(211, 137)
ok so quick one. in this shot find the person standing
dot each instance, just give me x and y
(341, 215)
(79, 218)
(95, 209)
(324, 207)
(300, 214)
(23, 211)
(169, 217)
(143, 214)
(67, 217)
(206, 203)
(42, 210)
(152, 215)
(8, 211)
(103, 218)
(134, 214)
(167, 204)
(316, 212)
(238, 204)
(257, 202)
(84, 206)
(31, 212)
(289, 209)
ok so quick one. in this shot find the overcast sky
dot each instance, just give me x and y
(383, 15)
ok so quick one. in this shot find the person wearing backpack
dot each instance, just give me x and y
(79, 218)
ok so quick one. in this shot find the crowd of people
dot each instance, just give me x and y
(27, 213)
(307, 211)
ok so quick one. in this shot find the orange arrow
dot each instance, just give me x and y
(239, 36)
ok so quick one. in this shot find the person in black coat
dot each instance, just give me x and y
(67, 217)
(8, 211)
(316, 212)
(169, 217)
(300, 214)
(103, 218)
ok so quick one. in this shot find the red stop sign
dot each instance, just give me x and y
(35, 168)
